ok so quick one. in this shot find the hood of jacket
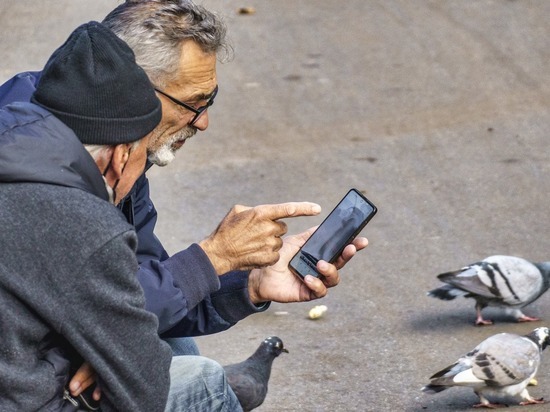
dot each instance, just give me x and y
(36, 147)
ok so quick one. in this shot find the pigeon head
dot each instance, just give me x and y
(274, 345)
(541, 336)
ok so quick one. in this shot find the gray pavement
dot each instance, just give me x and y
(437, 110)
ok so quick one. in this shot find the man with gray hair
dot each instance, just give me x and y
(177, 43)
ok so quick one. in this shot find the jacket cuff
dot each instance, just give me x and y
(232, 301)
(193, 274)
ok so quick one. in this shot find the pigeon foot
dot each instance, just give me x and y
(482, 322)
(532, 402)
(479, 318)
(527, 319)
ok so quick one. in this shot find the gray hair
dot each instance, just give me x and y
(155, 30)
(99, 151)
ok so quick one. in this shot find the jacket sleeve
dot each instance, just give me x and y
(183, 290)
(220, 310)
(114, 332)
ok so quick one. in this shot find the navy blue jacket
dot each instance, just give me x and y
(183, 290)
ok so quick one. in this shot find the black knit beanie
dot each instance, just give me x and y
(93, 84)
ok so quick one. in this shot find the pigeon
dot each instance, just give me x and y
(500, 366)
(507, 282)
(249, 378)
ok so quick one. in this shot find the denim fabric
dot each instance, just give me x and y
(198, 384)
(183, 346)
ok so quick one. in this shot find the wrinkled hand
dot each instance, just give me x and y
(83, 378)
(278, 284)
(250, 237)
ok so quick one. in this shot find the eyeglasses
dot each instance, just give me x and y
(199, 110)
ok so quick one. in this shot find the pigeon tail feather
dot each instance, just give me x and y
(433, 388)
(446, 292)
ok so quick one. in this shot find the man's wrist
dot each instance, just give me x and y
(220, 264)
(254, 286)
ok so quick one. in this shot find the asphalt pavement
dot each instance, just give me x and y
(437, 110)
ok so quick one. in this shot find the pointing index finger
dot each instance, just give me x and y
(290, 209)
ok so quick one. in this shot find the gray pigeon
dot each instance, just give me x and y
(500, 366)
(502, 281)
(249, 378)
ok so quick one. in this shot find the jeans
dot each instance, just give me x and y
(199, 384)
(183, 346)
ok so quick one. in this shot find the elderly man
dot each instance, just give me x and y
(179, 53)
(68, 290)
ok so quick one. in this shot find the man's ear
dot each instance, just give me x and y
(121, 153)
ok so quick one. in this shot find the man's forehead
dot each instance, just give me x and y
(196, 75)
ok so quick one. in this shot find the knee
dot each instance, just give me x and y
(190, 370)
(199, 383)
(211, 371)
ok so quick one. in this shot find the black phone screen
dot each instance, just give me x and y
(335, 233)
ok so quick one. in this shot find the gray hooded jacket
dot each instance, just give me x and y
(68, 289)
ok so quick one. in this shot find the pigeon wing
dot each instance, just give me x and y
(468, 279)
(506, 359)
(448, 376)
(517, 280)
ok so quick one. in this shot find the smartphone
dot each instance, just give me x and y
(337, 231)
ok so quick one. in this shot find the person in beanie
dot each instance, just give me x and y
(68, 290)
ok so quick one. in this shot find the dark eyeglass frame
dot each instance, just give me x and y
(198, 111)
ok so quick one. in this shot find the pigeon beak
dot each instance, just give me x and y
(285, 350)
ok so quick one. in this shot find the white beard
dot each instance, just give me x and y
(166, 153)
